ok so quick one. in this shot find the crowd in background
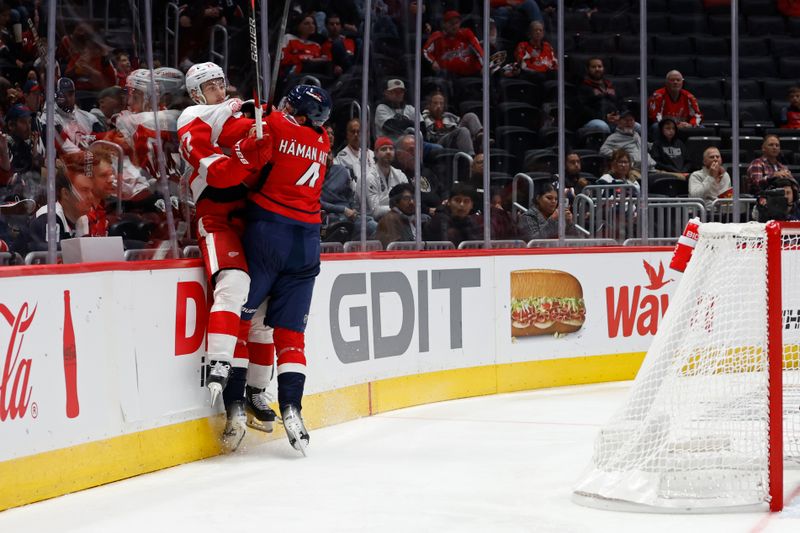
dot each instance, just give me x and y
(109, 180)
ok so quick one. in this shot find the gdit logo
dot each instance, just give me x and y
(628, 308)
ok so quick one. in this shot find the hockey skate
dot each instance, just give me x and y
(260, 415)
(295, 428)
(218, 372)
(236, 426)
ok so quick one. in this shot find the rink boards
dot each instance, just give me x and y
(385, 331)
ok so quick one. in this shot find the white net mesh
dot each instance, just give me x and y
(694, 431)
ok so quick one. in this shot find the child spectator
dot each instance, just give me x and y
(668, 150)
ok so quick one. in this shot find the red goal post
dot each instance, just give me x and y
(715, 409)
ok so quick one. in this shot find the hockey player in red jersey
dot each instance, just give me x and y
(219, 146)
(282, 241)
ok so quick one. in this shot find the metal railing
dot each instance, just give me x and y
(331, 247)
(607, 211)
(722, 210)
(220, 58)
(570, 242)
(516, 207)
(171, 32)
(40, 258)
(494, 245)
(366, 246)
(456, 157)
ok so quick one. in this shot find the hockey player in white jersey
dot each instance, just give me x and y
(75, 128)
(218, 144)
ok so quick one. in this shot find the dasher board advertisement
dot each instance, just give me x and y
(571, 305)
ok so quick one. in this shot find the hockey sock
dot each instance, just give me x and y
(235, 388)
(291, 362)
(290, 389)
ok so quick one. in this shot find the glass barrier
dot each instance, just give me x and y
(533, 135)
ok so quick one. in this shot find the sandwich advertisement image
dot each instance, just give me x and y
(545, 303)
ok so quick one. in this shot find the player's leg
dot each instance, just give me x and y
(223, 257)
(288, 313)
(259, 373)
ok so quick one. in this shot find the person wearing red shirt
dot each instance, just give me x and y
(675, 102)
(790, 115)
(535, 56)
(454, 50)
(281, 241)
(298, 48)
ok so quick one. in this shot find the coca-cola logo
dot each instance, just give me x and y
(637, 308)
(15, 393)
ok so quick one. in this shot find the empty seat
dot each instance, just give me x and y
(625, 65)
(711, 45)
(656, 23)
(672, 186)
(503, 161)
(576, 21)
(688, 24)
(757, 7)
(519, 114)
(593, 43)
(778, 88)
(684, 6)
(751, 111)
(713, 66)
(685, 64)
(748, 89)
(765, 25)
(516, 90)
(609, 22)
(753, 46)
(696, 145)
(784, 46)
(713, 110)
(631, 44)
(471, 106)
(793, 26)
(672, 44)
(758, 67)
(592, 139)
(541, 161)
(594, 164)
(624, 86)
(703, 87)
(789, 67)
(720, 24)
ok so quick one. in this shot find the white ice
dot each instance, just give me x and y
(502, 463)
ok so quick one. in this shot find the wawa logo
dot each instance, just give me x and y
(630, 307)
(15, 394)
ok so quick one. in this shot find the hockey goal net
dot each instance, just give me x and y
(715, 408)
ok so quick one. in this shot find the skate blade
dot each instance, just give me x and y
(255, 423)
(215, 389)
(231, 442)
(300, 445)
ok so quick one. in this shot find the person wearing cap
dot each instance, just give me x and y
(24, 144)
(625, 137)
(454, 50)
(33, 97)
(381, 180)
(393, 116)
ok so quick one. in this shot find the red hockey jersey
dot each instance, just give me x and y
(461, 54)
(297, 169)
(219, 155)
(139, 131)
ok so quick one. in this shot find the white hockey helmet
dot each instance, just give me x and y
(197, 75)
(139, 80)
(170, 80)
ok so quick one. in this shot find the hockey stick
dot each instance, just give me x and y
(254, 57)
(278, 51)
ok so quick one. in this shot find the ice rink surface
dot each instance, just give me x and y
(502, 463)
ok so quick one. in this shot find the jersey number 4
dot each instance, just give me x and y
(310, 176)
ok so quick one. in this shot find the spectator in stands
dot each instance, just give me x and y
(454, 50)
(790, 115)
(598, 98)
(764, 169)
(535, 56)
(339, 49)
(33, 98)
(122, 64)
(476, 171)
(668, 151)
(88, 63)
(620, 170)
(24, 143)
(197, 20)
(506, 11)
(573, 181)
(6, 174)
(73, 201)
(110, 102)
(626, 138)
(393, 116)
(675, 102)
(447, 129)
(455, 222)
(75, 128)
(540, 221)
(383, 178)
(431, 188)
(340, 197)
(710, 181)
(503, 224)
(398, 224)
(789, 8)
(300, 52)
(350, 155)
